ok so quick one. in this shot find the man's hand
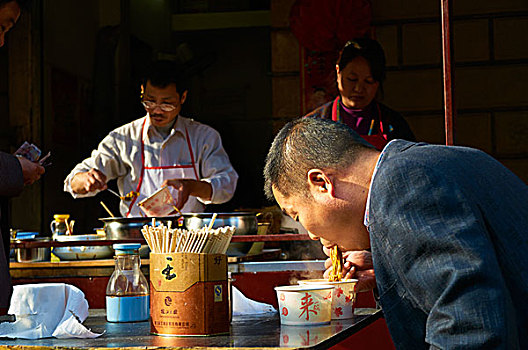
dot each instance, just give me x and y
(31, 171)
(88, 181)
(189, 187)
(358, 265)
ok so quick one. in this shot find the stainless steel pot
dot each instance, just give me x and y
(245, 223)
(33, 254)
(127, 228)
(82, 252)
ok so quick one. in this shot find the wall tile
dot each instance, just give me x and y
(485, 87)
(286, 97)
(518, 166)
(471, 130)
(414, 90)
(511, 129)
(510, 38)
(387, 36)
(397, 9)
(471, 41)
(474, 130)
(428, 128)
(422, 44)
(285, 51)
(470, 7)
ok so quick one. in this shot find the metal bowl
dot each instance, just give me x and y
(33, 254)
(82, 252)
(245, 223)
(127, 228)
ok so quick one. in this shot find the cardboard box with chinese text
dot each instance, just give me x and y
(189, 294)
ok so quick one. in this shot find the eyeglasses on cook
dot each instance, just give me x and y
(165, 107)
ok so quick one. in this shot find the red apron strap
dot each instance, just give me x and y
(335, 109)
(381, 123)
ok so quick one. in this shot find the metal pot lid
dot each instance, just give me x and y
(69, 238)
(35, 239)
(137, 219)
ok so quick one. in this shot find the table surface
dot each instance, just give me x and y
(255, 331)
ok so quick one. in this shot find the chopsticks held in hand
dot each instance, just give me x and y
(164, 239)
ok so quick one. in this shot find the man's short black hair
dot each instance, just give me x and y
(163, 73)
(304, 144)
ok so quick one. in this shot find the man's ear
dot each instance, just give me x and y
(320, 182)
(183, 97)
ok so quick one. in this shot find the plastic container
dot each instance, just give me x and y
(127, 291)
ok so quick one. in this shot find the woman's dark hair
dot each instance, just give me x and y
(163, 73)
(370, 50)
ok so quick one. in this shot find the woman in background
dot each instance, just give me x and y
(360, 72)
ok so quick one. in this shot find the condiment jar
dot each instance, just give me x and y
(58, 225)
(127, 291)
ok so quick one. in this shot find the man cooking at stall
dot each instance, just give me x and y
(162, 148)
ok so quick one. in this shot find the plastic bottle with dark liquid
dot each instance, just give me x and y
(127, 291)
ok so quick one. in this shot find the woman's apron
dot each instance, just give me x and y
(378, 140)
(152, 178)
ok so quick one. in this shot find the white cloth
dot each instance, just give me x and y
(118, 156)
(47, 310)
(245, 306)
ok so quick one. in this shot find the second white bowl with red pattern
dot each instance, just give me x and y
(343, 296)
(305, 304)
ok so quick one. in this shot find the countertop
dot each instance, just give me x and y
(255, 331)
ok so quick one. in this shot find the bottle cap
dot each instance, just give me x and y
(126, 248)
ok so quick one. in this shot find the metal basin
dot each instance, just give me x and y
(127, 228)
(245, 223)
(82, 252)
(33, 254)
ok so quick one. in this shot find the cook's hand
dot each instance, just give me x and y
(358, 265)
(189, 187)
(88, 181)
(31, 171)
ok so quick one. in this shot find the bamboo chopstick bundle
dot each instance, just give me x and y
(164, 239)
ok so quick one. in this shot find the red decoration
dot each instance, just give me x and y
(322, 28)
(338, 311)
(285, 311)
(327, 25)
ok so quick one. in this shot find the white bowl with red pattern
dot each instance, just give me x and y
(343, 296)
(305, 304)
